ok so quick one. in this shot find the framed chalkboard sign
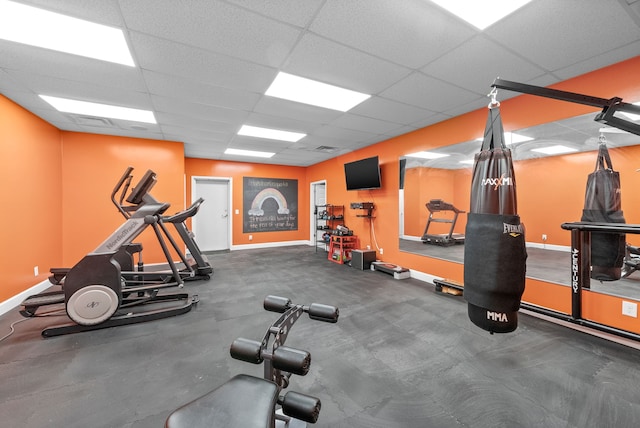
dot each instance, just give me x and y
(269, 204)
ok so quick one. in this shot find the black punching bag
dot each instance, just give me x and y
(494, 249)
(602, 203)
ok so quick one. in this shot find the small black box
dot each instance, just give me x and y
(361, 259)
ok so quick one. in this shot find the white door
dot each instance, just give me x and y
(212, 224)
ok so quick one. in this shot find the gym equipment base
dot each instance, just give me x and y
(444, 240)
(124, 316)
(398, 272)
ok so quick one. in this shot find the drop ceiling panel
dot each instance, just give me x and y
(187, 135)
(195, 110)
(349, 135)
(428, 93)
(602, 60)
(197, 92)
(297, 111)
(200, 65)
(419, 32)
(191, 122)
(298, 13)
(384, 109)
(361, 123)
(214, 25)
(321, 59)
(45, 85)
(556, 34)
(485, 60)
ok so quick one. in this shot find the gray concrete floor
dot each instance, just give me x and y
(401, 355)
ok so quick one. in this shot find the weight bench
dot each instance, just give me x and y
(242, 402)
(250, 402)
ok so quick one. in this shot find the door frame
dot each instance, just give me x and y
(312, 206)
(229, 182)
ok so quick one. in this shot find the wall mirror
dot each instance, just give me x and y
(446, 176)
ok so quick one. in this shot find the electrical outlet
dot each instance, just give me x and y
(381, 251)
(36, 271)
(630, 309)
(250, 237)
(237, 212)
(544, 237)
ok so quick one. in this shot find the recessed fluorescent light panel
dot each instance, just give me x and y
(271, 134)
(250, 153)
(632, 116)
(307, 91)
(511, 138)
(100, 110)
(426, 155)
(481, 14)
(612, 130)
(38, 27)
(555, 150)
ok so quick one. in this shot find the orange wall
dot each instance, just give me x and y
(236, 171)
(91, 166)
(540, 182)
(31, 216)
(68, 177)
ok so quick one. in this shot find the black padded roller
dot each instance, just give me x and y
(291, 360)
(300, 406)
(246, 350)
(276, 304)
(326, 313)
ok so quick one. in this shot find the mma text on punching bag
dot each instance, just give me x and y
(494, 253)
(602, 203)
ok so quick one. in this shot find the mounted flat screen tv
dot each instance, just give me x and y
(362, 174)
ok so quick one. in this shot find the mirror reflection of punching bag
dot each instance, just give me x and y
(494, 254)
(602, 203)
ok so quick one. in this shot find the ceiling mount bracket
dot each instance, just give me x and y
(609, 106)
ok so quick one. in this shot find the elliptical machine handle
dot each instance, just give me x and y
(125, 181)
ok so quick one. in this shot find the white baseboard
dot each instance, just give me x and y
(421, 276)
(16, 300)
(411, 238)
(270, 245)
(549, 246)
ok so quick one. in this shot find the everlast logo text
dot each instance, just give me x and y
(513, 229)
(574, 270)
(497, 316)
(497, 182)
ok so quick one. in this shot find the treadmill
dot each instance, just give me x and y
(436, 207)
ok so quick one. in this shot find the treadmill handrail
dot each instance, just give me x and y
(181, 216)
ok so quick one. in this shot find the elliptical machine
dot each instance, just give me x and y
(96, 294)
(251, 402)
(134, 273)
